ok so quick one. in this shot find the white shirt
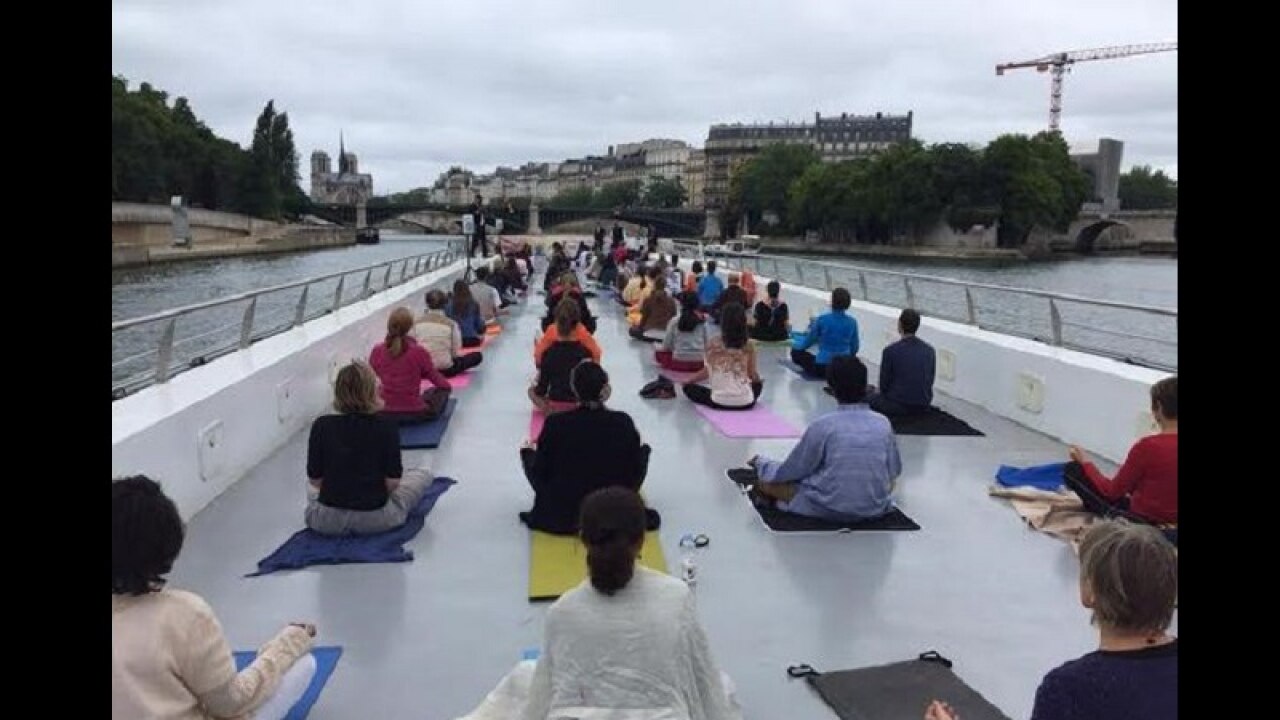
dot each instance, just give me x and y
(486, 297)
(642, 649)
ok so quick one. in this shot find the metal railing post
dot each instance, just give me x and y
(301, 313)
(800, 272)
(973, 313)
(1055, 322)
(826, 273)
(337, 295)
(911, 296)
(777, 274)
(404, 269)
(368, 280)
(246, 324)
(862, 281)
(164, 353)
(386, 277)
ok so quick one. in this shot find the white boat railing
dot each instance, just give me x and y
(153, 348)
(1144, 335)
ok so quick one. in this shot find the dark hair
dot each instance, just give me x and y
(482, 272)
(847, 377)
(612, 525)
(587, 380)
(733, 325)
(567, 316)
(436, 299)
(910, 321)
(146, 535)
(689, 319)
(773, 288)
(840, 299)
(711, 267)
(1165, 394)
(461, 297)
(696, 267)
(675, 260)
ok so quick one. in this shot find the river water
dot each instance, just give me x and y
(1147, 281)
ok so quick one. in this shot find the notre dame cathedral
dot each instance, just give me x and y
(348, 186)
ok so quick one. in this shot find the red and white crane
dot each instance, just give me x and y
(1057, 65)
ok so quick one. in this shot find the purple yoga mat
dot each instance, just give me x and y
(758, 422)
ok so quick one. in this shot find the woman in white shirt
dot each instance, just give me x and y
(730, 366)
(624, 622)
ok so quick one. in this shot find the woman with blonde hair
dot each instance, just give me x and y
(357, 483)
(402, 364)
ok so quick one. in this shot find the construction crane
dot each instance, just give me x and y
(1057, 65)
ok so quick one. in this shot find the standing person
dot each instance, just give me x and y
(730, 366)
(402, 364)
(597, 245)
(169, 656)
(357, 482)
(1146, 486)
(906, 372)
(835, 333)
(772, 319)
(442, 339)
(845, 465)
(464, 310)
(1129, 580)
(478, 240)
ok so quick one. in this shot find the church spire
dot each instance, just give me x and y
(342, 155)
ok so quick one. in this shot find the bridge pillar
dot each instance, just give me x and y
(713, 224)
(534, 228)
(362, 218)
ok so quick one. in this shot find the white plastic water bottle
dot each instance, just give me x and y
(689, 571)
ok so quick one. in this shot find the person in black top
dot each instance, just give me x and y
(772, 321)
(581, 451)
(597, 245)
(557, 266)
(558, 361)
(1129, 579)
(357, 484)
(733, 293)
(907, 370)
(478, 240)
(567, 287)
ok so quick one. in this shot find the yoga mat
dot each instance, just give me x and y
(935, 422)
(557, 563)
(457, 382)
(536, 420)
(306, 547)
(428, 434)
(492, 329)
(786, 363)
(758, 422)
(779, 521)
(901, 690)
(770, 343)
(1045, 477)
(326, 662)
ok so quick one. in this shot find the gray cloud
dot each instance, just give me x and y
(417, 87)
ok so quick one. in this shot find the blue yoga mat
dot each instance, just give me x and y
(326, 661)
(786, 363)
(1044, 477)
(428, 434)
(308, 547)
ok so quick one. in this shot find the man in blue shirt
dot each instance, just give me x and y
(906, 372)
(709, 288)
(835, 333)
(845, 464)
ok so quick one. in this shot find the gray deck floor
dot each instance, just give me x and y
(428, 639)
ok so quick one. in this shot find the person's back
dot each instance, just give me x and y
(854, 478)
(770, 321)
(487, 299)
(1112, 685)
(439, 336)
(907, 370)
(467, 315)
(837, 334)
(729, 370)
(553, 373)
(354, 453)
(709, 289)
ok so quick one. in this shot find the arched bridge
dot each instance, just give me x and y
(668, 222)
(1132, 229)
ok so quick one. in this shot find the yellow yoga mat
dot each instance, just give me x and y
(557, 563)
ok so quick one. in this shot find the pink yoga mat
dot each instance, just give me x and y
(536, 421)
(676, 376)
(457, 382)
(758, 422)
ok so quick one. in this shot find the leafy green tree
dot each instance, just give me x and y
(579, 197)
(763, 181)
(1143, 189)
(619, 194)
(664, 193)
(1035, 184)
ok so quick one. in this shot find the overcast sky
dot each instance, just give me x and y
(419, 86)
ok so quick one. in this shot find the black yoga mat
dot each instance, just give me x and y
(935, 422)
(779, 521)
(898, 690)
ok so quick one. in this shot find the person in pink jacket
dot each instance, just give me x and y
(401, 365)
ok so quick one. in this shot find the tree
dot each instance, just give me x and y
(579, 197)
(1142, 189)
(664, 193)
(762, 182)
(619, 194)
(1034, 183)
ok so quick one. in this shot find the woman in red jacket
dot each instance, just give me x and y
(1146, 486)
(402, 364)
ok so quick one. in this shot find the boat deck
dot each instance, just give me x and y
(428, 639)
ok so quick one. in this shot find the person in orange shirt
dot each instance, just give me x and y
(749, 285)
(578, 332)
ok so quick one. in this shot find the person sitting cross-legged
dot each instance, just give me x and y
(357, 482)
(551, 392)
(580, 451)
(464, 310)
(772, 321)
(730, 366)
(907, 370)
(402, 364)
(442, 339)
(656, 312)
(169, 655)
(835, 333)
(684, 347)
(845, 465)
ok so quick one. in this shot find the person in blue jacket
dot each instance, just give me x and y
(835, 333)
(709, 288)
